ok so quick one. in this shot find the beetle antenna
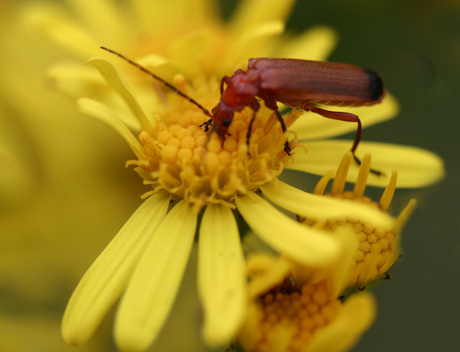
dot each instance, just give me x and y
(169, 85)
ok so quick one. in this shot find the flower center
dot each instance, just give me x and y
(297, 314)
(180, 157)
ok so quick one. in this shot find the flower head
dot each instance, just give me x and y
(288, 313)
(379, 247)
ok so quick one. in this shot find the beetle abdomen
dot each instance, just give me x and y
(294, 82)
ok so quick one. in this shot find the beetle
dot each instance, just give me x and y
(295, 83)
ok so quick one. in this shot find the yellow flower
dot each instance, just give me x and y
(288, 313)
(195, 170)
(379, 247)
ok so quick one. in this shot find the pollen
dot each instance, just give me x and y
(293, 315)
(197, 165)
(378, 247)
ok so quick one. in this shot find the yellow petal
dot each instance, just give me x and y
(255, 42)
(416, 167)
(313, 126)
(266, 272)
(102, 112)
(110, 30)
(107, 277)
(251, 13)
(156, 280)
(196, 41)
(155, 15)
(313, 44)
(55, 24)
(299, 243)
(76, 80)
(116, 81)
(320, 207)
(221, 275)
(357, 314)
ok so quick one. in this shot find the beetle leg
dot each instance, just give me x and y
(343, 116)
(271, 104)
(287, 148)
(207, 124)
(248, 134)
(255, 106)
(224, 80)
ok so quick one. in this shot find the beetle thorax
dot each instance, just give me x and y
(241, 90)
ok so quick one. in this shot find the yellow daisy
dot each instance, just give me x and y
(302, 313)
(191, 172)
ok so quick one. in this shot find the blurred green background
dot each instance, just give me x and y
(48, 239)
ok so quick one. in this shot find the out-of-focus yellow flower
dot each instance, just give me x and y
(379, 247)
(195, 171)
(47, 176)
(291, 313)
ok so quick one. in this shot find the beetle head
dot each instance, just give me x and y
(222, 117)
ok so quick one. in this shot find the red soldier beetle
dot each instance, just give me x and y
(293, 82)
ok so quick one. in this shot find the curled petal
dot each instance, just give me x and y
(116, 81)
(266, 272)
(416, 167)
(357, 314)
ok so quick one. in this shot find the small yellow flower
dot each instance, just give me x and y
(291, 314)
(379, 247)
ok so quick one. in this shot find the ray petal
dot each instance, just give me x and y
(116, 81)
(311, 126)
(107, 277)
(416, 167)
(103, 113)
(320, 207)
(252, 13)
(221, 275)
(299, 243)
(156, 280)
(56, 25)
(108, 31)
(314, 44)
